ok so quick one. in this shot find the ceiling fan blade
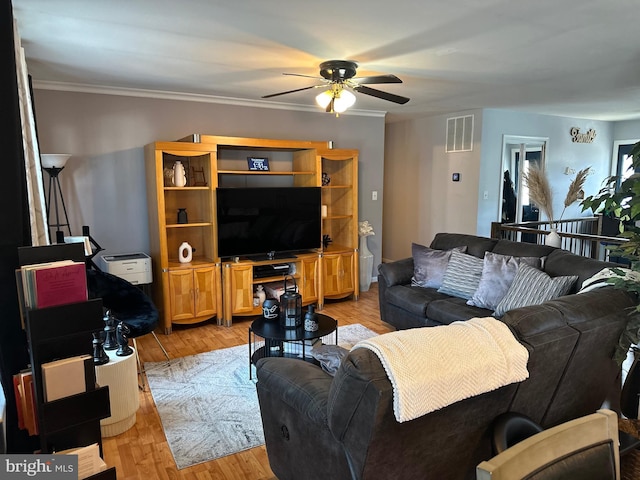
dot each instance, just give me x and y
(377, 79)
(290, 91)
(301, 75)
(380, 94)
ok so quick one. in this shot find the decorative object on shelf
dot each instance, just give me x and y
(326, 241)
(110, 340)
(366, 257)
(260, 164)
(271, 309)
(324, 211)
(168, 177)
(290, 305)
(182, 215)
(100, 357)
(540, 193)
(185, 253)
(326, 179)
(179, 175)
(53, 164)
(311, 320)
(262, 296)
(197, 177)
(122, 337)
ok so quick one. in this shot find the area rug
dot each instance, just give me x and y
(207, 404)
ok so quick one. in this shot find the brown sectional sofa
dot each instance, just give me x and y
(343, 427)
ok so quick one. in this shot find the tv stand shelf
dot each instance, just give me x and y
(227, 288)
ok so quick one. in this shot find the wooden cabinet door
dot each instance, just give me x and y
(346, 273)
(338, 274)
(205, 291)
(181, 291)
(241, 289)
(309, 279)
(331, 274)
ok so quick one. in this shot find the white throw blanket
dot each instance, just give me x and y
(433, 367)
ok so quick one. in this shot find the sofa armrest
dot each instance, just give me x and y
(397, 273)
(299, 384)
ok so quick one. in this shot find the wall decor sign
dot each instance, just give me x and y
(577, 137)
(258, 163)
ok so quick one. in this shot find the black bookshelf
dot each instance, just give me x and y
(59, 332)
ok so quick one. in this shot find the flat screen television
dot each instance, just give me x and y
(268, 221)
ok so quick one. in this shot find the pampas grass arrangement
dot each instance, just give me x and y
(540, 190)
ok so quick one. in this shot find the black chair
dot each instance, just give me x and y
(128, 304)
(584, 448)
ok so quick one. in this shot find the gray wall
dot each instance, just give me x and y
(104, 184)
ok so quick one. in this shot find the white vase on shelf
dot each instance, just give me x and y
(366, 264)
(553, 239)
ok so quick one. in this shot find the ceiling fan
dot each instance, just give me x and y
(339, 77)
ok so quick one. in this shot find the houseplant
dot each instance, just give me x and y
(624, 204)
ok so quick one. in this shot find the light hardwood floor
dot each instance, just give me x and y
(142, 452)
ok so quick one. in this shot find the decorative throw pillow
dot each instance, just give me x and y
(498, 272)
(462, 276)
(429, 265)
(533, 287)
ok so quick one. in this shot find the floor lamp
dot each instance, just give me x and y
(53, 164)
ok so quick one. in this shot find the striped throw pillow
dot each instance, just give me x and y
(462, 276)
(533, 287)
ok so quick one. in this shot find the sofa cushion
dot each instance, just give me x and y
(522, 249)
(429, 265)
(533, 287)
(413, 299)
(498, 272)
(476, 246)
(561, 262)
(453, 309)
(462, 276)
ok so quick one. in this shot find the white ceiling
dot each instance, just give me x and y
(558, 57)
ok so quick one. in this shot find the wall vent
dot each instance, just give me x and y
(460, 134)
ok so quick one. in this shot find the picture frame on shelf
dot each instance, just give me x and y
(260, 164)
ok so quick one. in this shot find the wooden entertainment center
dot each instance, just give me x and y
(210, 286)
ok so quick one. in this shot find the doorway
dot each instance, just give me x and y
(518, 155)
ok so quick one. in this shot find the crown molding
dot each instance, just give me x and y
(189, 97)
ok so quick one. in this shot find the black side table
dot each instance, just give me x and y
(275, 337)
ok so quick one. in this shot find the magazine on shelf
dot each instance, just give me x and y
(54, 283)
(68, 376)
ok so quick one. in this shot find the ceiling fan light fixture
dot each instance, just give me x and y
(343, 100)
(324, 98)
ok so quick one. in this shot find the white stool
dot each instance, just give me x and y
(121, 375)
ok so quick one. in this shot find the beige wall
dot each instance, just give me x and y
(104, 184)
(421, 198)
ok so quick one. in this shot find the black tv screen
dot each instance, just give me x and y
(265, 221)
